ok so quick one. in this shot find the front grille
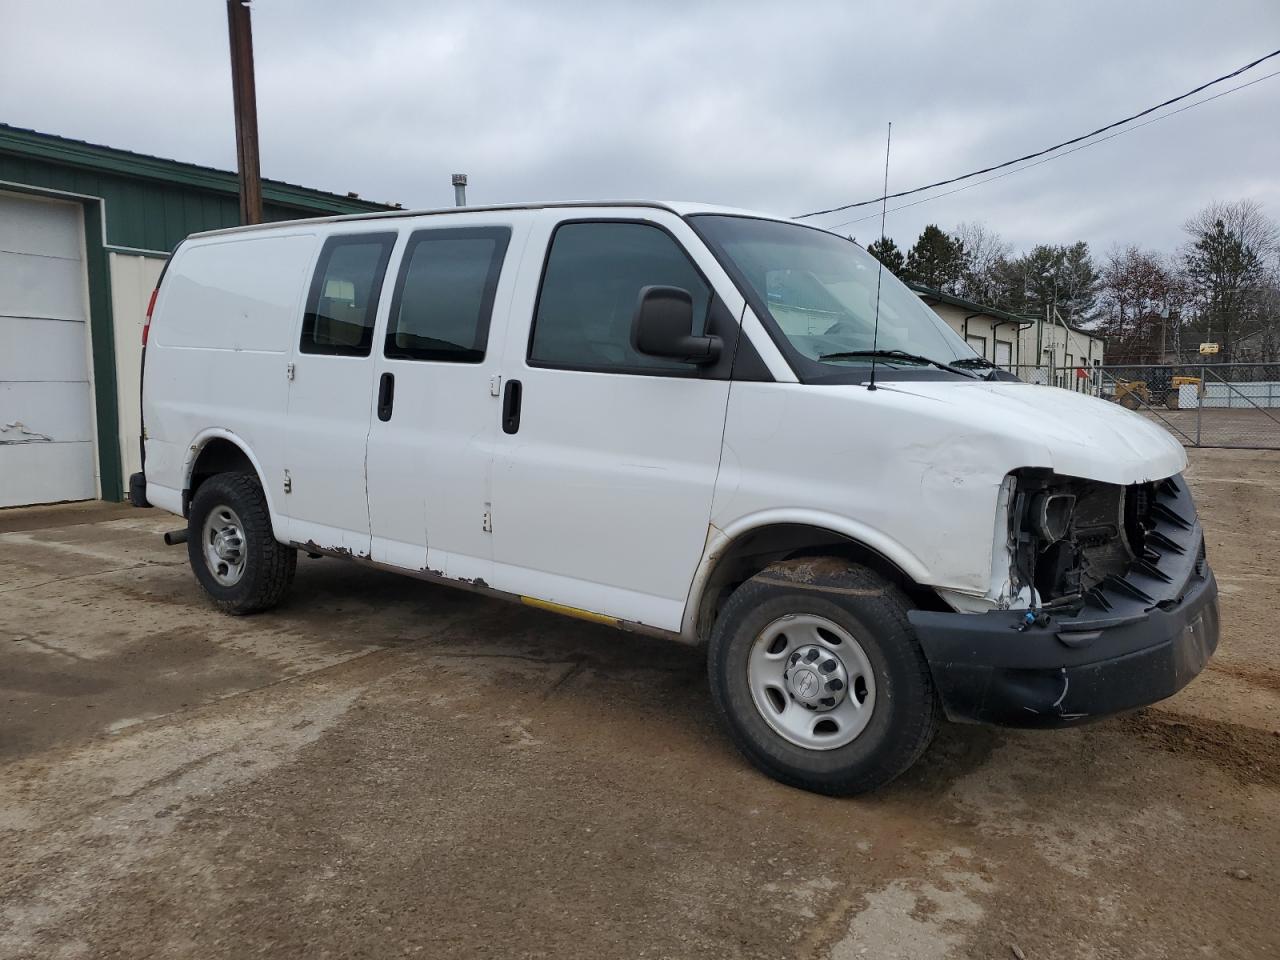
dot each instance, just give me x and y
(1168, 550)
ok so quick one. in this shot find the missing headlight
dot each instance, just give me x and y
(1068, 534)
(1051, 514)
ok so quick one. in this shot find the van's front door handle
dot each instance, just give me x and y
(511, 407)
(386, 396)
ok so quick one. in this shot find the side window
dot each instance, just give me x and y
(343, 301)
(444, 294)
(590, 288)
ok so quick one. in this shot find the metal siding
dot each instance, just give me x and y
(174, 213)
(149, 204)
(143, 214)
(102, 346)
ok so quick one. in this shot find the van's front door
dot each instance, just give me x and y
(437, 379)
(330, 394)
(607, 462)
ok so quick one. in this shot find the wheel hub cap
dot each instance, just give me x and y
(816, 678)
(224, 545)
(811, 681)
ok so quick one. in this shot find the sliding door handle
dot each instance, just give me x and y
(386, 396)
(511, 407)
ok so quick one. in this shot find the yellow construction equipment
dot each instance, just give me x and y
(1132, 394)
(1172, 401)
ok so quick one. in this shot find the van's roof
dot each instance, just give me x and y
(679, 207)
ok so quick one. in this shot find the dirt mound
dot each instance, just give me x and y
(1247, 754)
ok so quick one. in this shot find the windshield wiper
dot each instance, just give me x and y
(989, 369)
(897, 355)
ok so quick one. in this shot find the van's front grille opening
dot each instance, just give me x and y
(1076, 540)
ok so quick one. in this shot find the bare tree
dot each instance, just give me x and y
(1243, 219)
(1226, 263)
(1263, 345)
(1141, 296)
(984, 251)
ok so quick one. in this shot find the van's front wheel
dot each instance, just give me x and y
(232, 548)
(819, 678)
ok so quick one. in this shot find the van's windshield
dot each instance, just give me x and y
(820, 291)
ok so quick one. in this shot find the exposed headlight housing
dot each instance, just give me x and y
(1068, 534)
(1051, 514)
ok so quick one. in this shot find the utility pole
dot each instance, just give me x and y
(459, 189)
(246, 108)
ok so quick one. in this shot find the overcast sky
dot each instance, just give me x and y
(774, 106)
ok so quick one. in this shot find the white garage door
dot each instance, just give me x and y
(46, 409)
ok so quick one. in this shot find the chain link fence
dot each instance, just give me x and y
(1202, 404)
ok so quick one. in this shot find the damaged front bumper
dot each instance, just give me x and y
(1140, 638)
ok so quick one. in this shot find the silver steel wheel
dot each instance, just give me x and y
(811, 681)
(223, 545)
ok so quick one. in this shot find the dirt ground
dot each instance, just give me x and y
(383, 768)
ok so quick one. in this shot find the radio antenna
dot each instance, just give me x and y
(884, 203)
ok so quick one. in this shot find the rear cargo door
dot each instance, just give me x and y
(331, 394)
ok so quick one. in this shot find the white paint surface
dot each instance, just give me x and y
(132, 280)
(429, 468)
(601, 500)
(604, 497)
(209, 384)
(46, 405)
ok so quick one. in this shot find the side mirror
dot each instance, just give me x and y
(663, 327)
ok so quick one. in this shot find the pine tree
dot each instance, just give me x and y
(887, 252)
(1226, 266)
(937, 260)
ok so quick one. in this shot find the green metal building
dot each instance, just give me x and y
(84, 232)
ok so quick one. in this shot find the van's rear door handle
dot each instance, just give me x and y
(511, 407)
(386, 396)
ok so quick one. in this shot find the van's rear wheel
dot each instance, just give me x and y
(232, 548)
(820, 680)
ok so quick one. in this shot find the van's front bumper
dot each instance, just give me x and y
(1142, 638)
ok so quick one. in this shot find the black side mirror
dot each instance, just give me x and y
(663, 327)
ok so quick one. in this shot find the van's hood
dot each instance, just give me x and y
(1085, 437)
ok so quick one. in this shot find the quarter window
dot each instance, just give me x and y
(591, 286)
(343, 301)
(444, 295)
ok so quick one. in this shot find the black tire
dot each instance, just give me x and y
(268, 565)
(905, 714)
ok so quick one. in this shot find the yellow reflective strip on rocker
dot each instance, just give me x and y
(570, 611)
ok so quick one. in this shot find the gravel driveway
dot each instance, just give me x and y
(385, 768)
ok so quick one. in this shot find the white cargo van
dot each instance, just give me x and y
(663, 417)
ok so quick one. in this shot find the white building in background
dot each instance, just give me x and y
(1038, 351)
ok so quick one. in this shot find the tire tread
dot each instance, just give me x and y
(924, 713)
(271, 564)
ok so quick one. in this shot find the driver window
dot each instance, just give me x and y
(590, 288)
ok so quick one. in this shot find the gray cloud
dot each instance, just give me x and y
(780, 107)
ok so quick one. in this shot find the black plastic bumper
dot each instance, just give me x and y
(1142, 638)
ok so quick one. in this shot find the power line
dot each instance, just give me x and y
(1041, 153)
(1056, 156)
